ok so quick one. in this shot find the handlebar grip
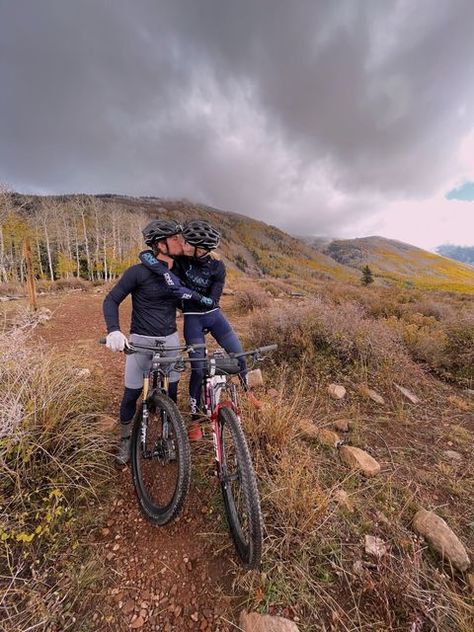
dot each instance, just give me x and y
(168, 360)
(267, 348)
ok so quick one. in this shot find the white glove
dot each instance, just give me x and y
(116, 341)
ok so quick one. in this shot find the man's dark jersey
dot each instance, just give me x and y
(153, 310)
(204, 275)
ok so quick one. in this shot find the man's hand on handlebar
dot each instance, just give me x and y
(116, 341)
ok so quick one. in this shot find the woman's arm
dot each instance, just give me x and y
(217, 287)
(175, 287)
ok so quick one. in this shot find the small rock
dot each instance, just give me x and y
(408, 394)
(138, 623)
(441, 538)
(342, 498)
(195, 616)
(342, 425)
(375, 546)
(255, 378)
(228, 292)
(105, 531)
(84, 373)
(115, 547)
(359, 460)
(253, 622)
(452, 455)
(273, 393)
(336, 391)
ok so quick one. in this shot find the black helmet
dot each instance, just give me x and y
(201, 234)
(159, 229)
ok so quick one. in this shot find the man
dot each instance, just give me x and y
(154, 302)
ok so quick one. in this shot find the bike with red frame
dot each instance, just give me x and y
(234, 467)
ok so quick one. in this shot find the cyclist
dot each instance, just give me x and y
(203, 273)
(154, 303)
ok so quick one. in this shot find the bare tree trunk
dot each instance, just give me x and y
(105, 257)
(3, 271)
(86, 243)
(48, 250)
(68, 240)
(38, 254)
(97, 241)
(78, 262)
(30, 276)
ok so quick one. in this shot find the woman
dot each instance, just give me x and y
(204, 274)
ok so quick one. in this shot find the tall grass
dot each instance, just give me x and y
(315, 566)
(53, 469)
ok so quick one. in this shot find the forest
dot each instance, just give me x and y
(70, 236)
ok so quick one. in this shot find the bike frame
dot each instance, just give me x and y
(212, 388)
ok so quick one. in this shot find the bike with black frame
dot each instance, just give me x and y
(160, 453)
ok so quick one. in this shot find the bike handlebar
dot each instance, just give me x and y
(256, 351)
(136, 348)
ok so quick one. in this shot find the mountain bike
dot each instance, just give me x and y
(234, 469)
(160, 454)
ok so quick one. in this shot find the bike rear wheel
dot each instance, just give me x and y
(160, 458)
(239, 489)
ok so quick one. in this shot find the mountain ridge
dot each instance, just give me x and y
(252, 247)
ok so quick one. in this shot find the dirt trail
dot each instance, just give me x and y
(169, 578)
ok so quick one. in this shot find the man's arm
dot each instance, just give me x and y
(175, 287)
(117, 294)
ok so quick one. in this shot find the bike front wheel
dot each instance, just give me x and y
(160, 459)
(239, 489)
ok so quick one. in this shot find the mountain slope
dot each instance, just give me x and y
(247, 246)
(402, 263)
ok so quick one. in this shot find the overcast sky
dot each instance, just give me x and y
(328, 117)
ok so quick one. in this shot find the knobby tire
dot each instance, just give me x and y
(161, 513)
(248, 545)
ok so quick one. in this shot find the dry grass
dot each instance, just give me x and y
(315, 566)
(53, 465)
(250, 299)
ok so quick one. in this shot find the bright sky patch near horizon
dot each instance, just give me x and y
(341, 119)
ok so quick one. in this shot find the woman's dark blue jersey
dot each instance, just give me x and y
(204, 275)
(153, 310)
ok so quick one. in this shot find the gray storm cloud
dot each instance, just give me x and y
(314, 111)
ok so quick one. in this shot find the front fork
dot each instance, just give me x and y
(216, 430)
(145, 413)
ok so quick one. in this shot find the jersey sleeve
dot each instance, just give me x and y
(174, 285)
(117, 294)
(217, 287)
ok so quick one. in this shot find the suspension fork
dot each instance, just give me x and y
(145, 412)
